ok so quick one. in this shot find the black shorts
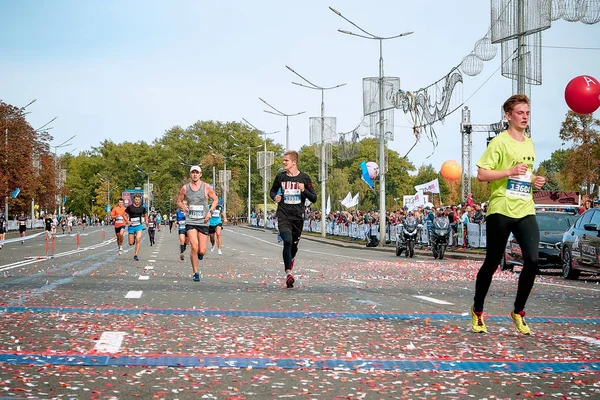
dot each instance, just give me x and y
(182, 232)
(22, 228)
(203, 229)
(294, 226)
(2, 231)
(213, 228)
(119, 229)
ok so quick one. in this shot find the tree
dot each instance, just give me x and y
(27, 163)
(583, 162)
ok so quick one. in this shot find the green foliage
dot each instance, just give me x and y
(210, 144)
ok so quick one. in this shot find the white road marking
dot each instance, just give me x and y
(151, 260)
(353, 281)
(134, 294)
(148, 267)
(566, 286)
(586, 339)
(144, 278)
(431, 299)
(110, 342)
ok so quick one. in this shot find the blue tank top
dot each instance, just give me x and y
(215, 216)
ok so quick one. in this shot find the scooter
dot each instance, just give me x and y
(408, 237)
(438, 236)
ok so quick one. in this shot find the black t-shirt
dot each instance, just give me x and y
(135, 214)
(22, 220)
(48, 223)
(292, 201)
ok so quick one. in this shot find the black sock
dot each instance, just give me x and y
(181, 248)
(200, 256)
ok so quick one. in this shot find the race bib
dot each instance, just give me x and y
(181, 223)
(135, 221)
(196, 212)
(215, 213)
(291, 196)
(150, 224)
(519, 186)
(119, 219)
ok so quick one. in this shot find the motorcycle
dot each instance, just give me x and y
(407, 237)
(438, 236)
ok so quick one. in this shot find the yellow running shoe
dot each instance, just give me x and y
(519, 320)
(477, 323)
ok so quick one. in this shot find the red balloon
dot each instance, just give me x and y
(582, 94)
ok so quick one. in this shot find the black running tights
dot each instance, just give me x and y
(290, 232)
(527, 234)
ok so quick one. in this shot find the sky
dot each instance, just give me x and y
(131, 70)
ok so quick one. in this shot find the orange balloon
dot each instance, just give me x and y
(451, 170)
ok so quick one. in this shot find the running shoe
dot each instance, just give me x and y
(200, 256)
(519, 320)
(181, 256)
(121, 248)
(477, 322)
(197, 277)
(120, 252)
(135, 258)
(219, 252)
(212, 248)
(290, 281)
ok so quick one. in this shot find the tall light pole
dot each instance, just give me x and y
(382, 171)
(287, 117)
(148, 175)
(323, 164)
(249, 174)
(225, 180)
(265, 168)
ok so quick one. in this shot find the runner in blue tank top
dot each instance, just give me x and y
(215, 225)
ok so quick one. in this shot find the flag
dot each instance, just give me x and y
(15, 193)
(365, 174)
(417, 200)
(328, 207)
(354, 201)
(432, 186)
(347, 200)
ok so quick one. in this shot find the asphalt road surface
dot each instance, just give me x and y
(82, 322)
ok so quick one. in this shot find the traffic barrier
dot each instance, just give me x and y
(78, 239)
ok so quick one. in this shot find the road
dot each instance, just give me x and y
(86, 322)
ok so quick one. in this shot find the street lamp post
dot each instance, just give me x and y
(249, 148)
(382, 171)
(323, 164)
(287, 117)
(225, 180)
(148, 175)
(265, 168)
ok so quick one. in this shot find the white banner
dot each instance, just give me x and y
(431, 187)
(409, 201)
(347, 200)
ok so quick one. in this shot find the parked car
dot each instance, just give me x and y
(552, 225)
(581, 245)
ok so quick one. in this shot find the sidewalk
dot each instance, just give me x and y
(340, 241)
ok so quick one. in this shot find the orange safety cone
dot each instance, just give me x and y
(103, 234)
(78, 239)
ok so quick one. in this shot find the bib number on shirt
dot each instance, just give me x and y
(291, 196)
(215, 213)
(196, 212)
(136, 221)
(519, 186)
(119, 219)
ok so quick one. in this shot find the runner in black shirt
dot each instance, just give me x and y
(22, 222)
(290, 190)
(136, 216)
(2, 228)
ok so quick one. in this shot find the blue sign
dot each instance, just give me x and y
(15, 193)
